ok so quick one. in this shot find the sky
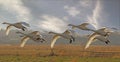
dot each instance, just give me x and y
(55, 15)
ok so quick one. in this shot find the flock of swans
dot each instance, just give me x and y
(99, 34)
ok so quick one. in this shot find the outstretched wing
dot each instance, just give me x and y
(55, 37)
(90, 40)
(84, 24)
(8, 29)
(103, 29)
(74, 33)
(34, 33)
(26, 24)
(67, 32)
(23, 41)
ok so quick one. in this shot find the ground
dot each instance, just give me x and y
(65, 53)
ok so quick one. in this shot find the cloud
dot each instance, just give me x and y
(72, 11)
(85, 3)
(93, 19)
(16, 7)
(52, 23)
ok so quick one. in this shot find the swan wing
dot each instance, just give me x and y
(55, 37)
(8, 29)
(103, 29)
(67, 32)
(91, 39)
(34, 33)
(23, 41)
(24, 23)
(84, 24)
(0, 28)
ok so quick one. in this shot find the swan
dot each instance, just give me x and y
(82, 26)
(94, 37)
(35, 36)
(66, 35)
(103, 31)
(19, 25)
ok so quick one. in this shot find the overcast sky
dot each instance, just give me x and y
(55, 15)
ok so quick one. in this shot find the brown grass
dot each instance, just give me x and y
(62, 50)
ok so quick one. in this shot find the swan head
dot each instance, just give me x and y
(51, 32)
(4, 23)
(70, 24)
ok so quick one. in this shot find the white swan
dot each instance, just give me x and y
(35, 36)
(19, 25)
(103, 31)
(82, 26)
(66, 35)
(94, 37)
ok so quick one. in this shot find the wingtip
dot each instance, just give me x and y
(86, 47)
(21, 46)
(7, 34)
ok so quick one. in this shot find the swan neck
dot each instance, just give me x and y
(52, 33)
(7, 23)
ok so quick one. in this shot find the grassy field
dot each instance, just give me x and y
(65, 53)
(56, 59)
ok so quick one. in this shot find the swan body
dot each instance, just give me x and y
(35, 36)
(56, 36)
(94, 37)
(19, 25)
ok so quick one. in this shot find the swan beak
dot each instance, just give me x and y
(3, 23)
(49, 32)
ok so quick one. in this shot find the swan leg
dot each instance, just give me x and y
(23, 29)
(73, 38)
(107, 42)
(70, 41)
